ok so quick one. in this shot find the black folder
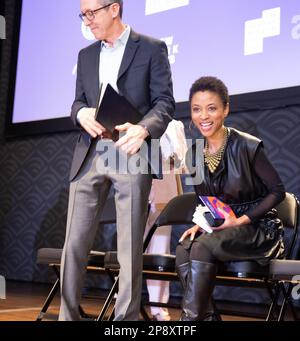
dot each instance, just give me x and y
(115, 110)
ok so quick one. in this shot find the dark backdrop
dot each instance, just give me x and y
(34, 180)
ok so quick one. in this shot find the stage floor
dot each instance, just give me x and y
(24, 301)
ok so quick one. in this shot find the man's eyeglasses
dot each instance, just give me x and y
(90, 15)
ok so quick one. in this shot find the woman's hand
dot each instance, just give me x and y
(231, 221)
(190, 232)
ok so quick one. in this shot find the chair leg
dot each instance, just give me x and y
(272, 314)
(48, 300)
(274, 293)
(112, 314)
(283, 305)
(287, 300)
(108, 300)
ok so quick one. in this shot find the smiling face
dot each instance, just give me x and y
(208, 113)
(103, 24)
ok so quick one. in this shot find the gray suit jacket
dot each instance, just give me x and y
(144, 79)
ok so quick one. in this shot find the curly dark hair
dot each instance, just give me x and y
(212, 84)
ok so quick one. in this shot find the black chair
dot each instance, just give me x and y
(282, 272)
(154, 265)
(179, 211)
(285, 274)
(52, 257)
(250, 273)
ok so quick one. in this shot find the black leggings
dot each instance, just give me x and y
(198, 251)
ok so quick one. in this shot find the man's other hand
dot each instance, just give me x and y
(132, 141)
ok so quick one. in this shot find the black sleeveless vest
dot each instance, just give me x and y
(235, 181)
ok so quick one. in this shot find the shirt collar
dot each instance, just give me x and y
(122, 40)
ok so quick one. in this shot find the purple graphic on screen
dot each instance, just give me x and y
(204, 38)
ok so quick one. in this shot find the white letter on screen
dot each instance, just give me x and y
(258, 29)
(296, 29)
(157, 6)
(254, 41)
(271, 19)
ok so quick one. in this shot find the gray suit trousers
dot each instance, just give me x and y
(88, 192)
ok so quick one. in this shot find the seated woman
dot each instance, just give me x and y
(238, 172)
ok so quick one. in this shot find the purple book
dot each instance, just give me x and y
(215, 216)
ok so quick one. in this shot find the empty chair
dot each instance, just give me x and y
(52, 258)
(286, 275)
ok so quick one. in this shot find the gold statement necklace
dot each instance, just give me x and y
(212, 160)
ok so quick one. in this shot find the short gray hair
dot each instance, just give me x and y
(107, 2)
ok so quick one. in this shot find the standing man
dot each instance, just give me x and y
(137, 66)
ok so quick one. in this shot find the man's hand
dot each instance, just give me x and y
(86, 118)
(132, 141)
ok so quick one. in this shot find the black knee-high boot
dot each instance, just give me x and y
(199, 287)
(211, 313)
(183, 271)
